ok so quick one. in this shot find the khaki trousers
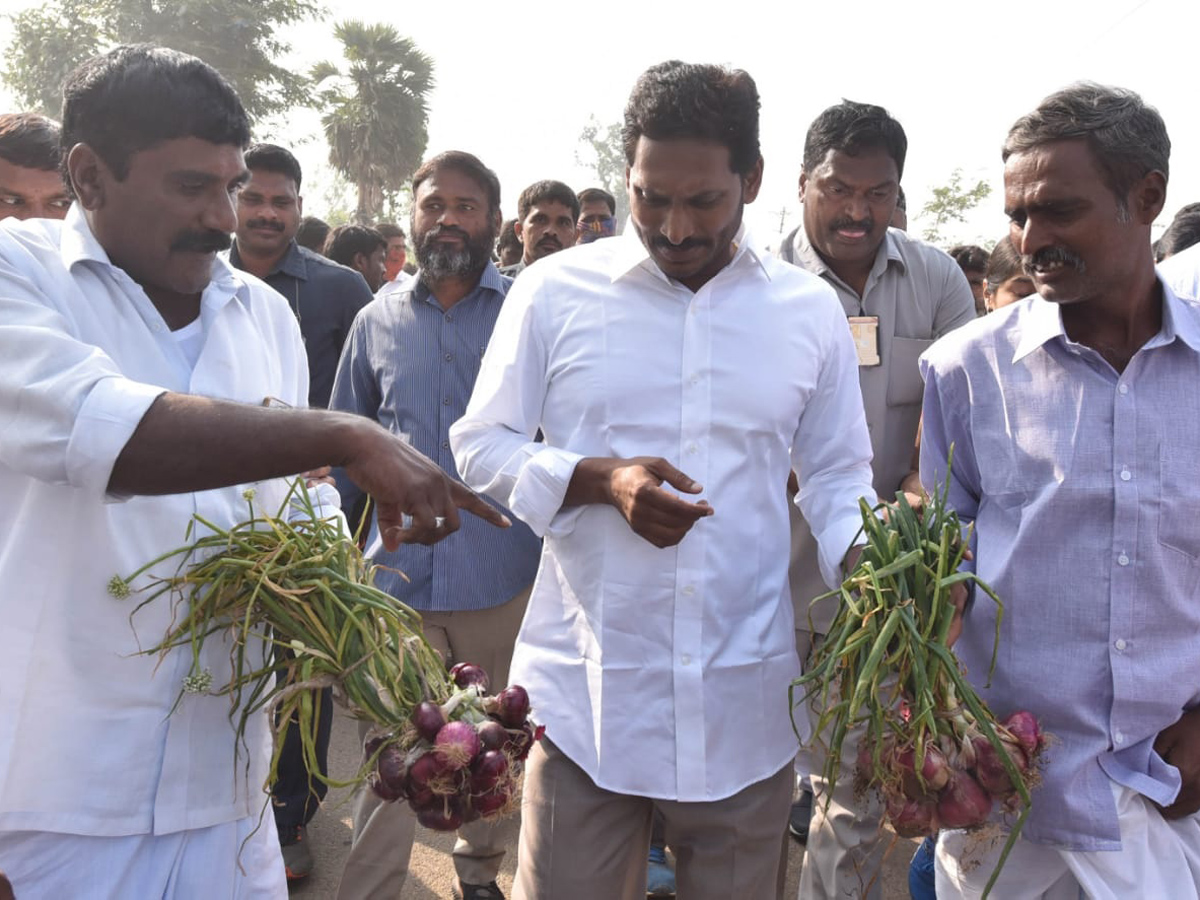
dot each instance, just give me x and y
(377, 864)
(846, 843)
(582, 842)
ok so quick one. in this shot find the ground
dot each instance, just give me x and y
(431, 873)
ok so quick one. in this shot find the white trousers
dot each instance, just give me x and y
(1159, 858)
(224, 862)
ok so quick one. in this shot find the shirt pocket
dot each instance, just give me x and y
(1179, 499)
(905, 387)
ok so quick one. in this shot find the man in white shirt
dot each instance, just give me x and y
(1182, 272)
(657, 647)
(134, 370)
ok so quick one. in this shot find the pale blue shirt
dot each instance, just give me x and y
(1084, 486)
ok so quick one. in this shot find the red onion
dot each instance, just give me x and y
(989, 765)
(491, 803)
(492, 735)
(445, 815)
(466, 674)
(513, 706)
(935, 772)
(963, 803)
(428, 719)
(1024, 727)
(912, 818)
(391, 769)
(456, 744)
(382, 791)
(486, 771)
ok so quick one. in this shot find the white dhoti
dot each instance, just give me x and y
(1158, 858)
(216, 863)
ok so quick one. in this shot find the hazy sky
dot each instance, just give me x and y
(516, 82)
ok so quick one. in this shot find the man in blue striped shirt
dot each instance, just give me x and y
(410, 363)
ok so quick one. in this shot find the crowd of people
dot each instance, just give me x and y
(614, 468)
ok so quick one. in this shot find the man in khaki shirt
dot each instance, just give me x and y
(900, 294)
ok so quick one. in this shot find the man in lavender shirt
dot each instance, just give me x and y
(1074, 416)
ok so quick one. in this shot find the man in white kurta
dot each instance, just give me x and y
(659, 654)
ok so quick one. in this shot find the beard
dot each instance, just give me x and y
(437, 260)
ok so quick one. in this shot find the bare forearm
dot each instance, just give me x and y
(189, 443)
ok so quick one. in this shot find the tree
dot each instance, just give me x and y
(236, 37)
(951, 202)
(376, 111)
(605, 155)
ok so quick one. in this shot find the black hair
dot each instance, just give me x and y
(468, 165)
(851, 128)
(30, 141)
(347, 241)
(1183, 232)
(134, 97)
(312, 233)
(540, 191)
(273, 158)
(697, 101)
(1127, 137)
(588, 195)
(901, 200)
(508, 236)
(1003, 263)
(970, 257)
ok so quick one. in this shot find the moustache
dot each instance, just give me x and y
(550, 241)
(1050, 255)
(848, 224)
(443, 231)
(273, 224)
(686, 244)
(201, 242)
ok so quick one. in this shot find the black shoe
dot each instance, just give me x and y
(801, 817)
(297, 857)
(489, 891)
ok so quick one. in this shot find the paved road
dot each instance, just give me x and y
(431, 874)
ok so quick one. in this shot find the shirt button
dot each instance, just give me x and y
(449, 317)
(1118, 738)
(1122, 560)
(445, 445)
(1126, 474)
(689, 589)
(685, 659)
(156, 327)
(691, 448)
(448, 357)
(695, 379)
(1122, 389)
(445, 401)
(1120, 644)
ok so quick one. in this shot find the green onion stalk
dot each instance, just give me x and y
(297, 602)
(932, 750)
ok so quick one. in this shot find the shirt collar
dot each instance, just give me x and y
(630, 253)
(78, 244)
(489, 280)
(1043, 321)
(291, 263)
(810, 259)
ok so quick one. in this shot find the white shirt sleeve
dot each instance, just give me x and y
(831, 454)
(66, 410)
(492, 441)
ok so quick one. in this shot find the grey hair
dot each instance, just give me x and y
(1127, 137)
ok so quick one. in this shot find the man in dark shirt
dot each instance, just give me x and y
(324, 296)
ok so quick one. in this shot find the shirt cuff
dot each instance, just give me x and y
(106, 421)
(541, 486)
(832, 544)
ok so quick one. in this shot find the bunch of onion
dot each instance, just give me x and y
(460, 760)
(303, 590)
(933, 750)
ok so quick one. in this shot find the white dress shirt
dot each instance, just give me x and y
(664, 672)
(88, 740)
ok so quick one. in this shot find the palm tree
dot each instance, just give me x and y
(375, 111)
